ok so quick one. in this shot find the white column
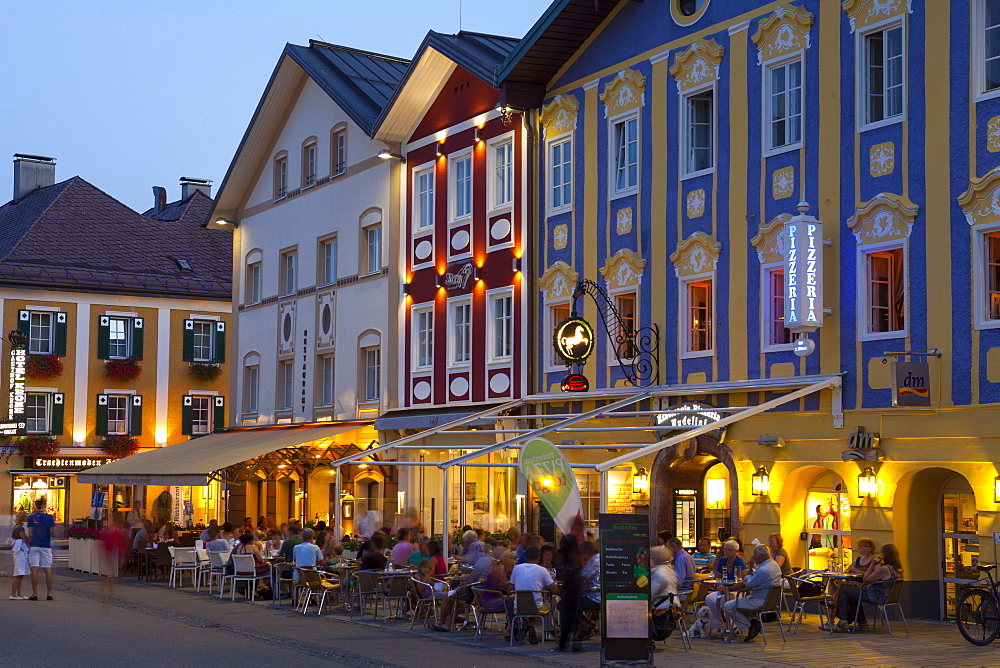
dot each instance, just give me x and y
(337, 507)
(445, 527)
(162, 373)
(81, 396)
(604, 491)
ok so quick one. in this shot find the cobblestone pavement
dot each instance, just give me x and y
(89, 623)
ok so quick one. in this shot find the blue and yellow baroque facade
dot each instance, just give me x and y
(692, 138)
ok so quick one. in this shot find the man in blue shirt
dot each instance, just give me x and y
(683, 566)
(758, 584)
(40, 526)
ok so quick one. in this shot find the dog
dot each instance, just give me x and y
(700, 628)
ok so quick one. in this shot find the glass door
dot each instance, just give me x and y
(960, 543)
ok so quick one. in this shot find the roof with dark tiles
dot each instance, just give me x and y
(74, 236)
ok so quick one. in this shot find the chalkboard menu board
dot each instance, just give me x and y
(546, 525)
(625, 596)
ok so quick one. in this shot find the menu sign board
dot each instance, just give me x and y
(625, 595)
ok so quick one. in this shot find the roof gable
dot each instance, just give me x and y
(461, 97)
(193, 209)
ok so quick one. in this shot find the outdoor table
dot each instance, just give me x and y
(838, 578)
(726, 587)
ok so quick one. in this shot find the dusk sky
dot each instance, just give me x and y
(133, 94)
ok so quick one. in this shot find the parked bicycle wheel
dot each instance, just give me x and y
(978, 616)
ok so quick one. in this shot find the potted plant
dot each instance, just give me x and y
(38, 445)
(43, 366)
(124, 369)
(205, 371)
(119, 446)
(163, 506)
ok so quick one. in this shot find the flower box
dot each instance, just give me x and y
(205, 371)
(43, 366)
(124, 369)
(119, 446)
(37, 445)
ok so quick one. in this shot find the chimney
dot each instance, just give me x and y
(159, 199)
(189, 185)
(32, 172)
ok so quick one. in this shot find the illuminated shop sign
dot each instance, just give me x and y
(64, 463)
(574, 340)
(15, 411)
(803, 236)
(688, 415)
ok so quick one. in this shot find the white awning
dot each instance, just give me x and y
(192, 462)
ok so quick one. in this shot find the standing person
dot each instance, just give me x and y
(759, 583)
(134, 519)
(40, 526)
(20, 552)
(569, 563)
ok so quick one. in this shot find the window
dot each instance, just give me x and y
(625, 149)
(338, 145)
(689, 7)
(326, 380)
(561, 173)
(699, 131)
(990, 47)
(461, 332)
(503, 174)
(373, 241)
(625, 304)
(280, 177)
(309, 166)
(251, 378)
(783, 105)
(118, 337)
(775, 333)
(329, 262)
(423, 337)
(204, 337)
(557, 314)
(991, 255)
(118, 413)
(462, 186)
(286, 374)
(373, 373)
(201, 414)
(36, 412)
(424, 185)
(41, 331)
(886, 291)
(698, 320)
(501, 326)
(882, 61)
(253, 283)
(289, 272)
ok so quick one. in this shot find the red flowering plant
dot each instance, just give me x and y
(205, 371)
(125, 369)
(120, 445)
(43, 366)
(82, 533)
(38, 445)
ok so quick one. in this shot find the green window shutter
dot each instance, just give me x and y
(189, 340)
(135, 419)
(104, 338)
(24, 321)
(187, 415)
(137, 331)
(60, 334)
(220, 342)
(56, 423)
(101, 428)
(219, 417)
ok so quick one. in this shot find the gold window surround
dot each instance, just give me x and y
(698, 64)
(625, 92)
(784, 31)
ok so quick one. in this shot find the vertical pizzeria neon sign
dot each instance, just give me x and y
(803, 236)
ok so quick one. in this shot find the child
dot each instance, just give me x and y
(20, 552)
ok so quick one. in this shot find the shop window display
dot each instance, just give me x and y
(27, 489)
(960, 526)
(828, 523)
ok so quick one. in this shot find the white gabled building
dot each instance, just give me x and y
(316, 222)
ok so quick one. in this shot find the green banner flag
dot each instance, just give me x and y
(551, 478)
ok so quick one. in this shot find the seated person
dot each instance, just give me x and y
(420, 553)
(307, 554)
(484, 567)
(247, 546)
(866, 546)
(274, 544)
(704, 558)
(758, 584)
(404, 547)
(663, 578)
(288, 546)
(729, 568)
(683, 566)
(429, 587)
(144, 537)
(215, 542)
(882, 571)
(434, 552)
(374, 559)
(777, 546)
(529, 576)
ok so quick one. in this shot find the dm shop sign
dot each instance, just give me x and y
(911, 384)
(803, 237)
(688, 415)
(15, 425)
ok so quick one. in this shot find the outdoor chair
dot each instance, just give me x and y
(480, 613)
(313, 584)
(526, 608)
(282, 575)
(800, 603)
(217, 570)
(365, 590)
(184, 561)
(394, 588)
(892, 601)
(771, 605)
(695, 599)
(245, 570)
(667, 605)
(426, 605)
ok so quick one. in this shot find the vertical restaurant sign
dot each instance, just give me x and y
(625, 588)
(803, 241)
(176, 516)
(911, 384)
(551, 479)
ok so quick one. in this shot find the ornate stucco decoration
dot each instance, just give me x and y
(886, 217)
(882, 159)
(697, 254)
(696, 203)
(625, 92)
(784, 31)
(993, 135)
(698, 64)
(863, 13)
(981, 202)
(559, 115)
(623, 220)
(560, 236)
(769, 242)
(623, 269)
(783, 182)
(558, 281)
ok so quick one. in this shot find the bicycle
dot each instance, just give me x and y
(977, 612)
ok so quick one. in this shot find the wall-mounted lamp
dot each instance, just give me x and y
(760, 482)
(867, 483)
(406, 289)
(476, 276)
(996, 489)
(223, 221)
(640, 484)
(347, 504)
(439, 281)
(385, 154)
(478, 134)
(437, 149)
(515, 264)
(771, 441)
(400, 500)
